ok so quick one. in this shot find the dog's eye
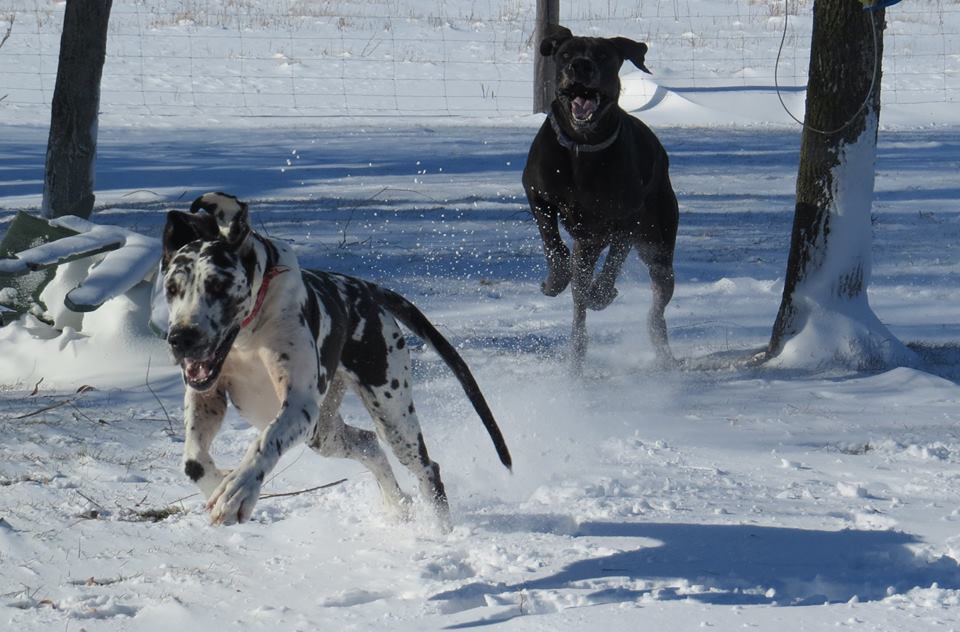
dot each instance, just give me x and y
(172, 289)
(565, 56)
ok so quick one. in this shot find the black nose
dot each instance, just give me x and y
(183, 339)
(581, 69)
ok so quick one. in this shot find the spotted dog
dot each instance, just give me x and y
(283, 344)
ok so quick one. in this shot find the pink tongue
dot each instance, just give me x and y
(583, 108)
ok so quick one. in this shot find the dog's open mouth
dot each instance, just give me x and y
(584, 104)
(201, 373)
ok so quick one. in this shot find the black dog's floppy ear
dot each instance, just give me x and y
(231, 215)
(630, 50)
(555, 36)
(183, 228)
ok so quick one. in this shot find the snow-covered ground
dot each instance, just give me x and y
(710, 496)
(714, 496)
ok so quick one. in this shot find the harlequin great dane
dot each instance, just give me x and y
(284, 344)
(605, 177)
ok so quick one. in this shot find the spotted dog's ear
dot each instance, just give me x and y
(632, 51)
(555, 36)
(231, 215)
(182, 228)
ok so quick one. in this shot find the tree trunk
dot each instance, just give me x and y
(544, 71)
(824, 317)
(71, 149)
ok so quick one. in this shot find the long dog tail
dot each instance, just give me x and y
(408, 314)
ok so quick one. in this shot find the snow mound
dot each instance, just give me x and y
(648, 99)
(107, 347)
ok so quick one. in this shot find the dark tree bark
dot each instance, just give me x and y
(71, 149)
(828, 269)
(544, 73)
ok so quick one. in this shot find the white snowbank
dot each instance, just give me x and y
(109, 347)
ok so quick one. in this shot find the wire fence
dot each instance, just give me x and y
(390, 57)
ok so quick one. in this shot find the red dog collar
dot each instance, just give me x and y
(262, 293)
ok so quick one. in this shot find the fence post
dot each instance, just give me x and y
(544, 73)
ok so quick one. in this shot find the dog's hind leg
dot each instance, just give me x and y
(603, 290)
(333, 437)
(660, 265)
(585, 255)
(397, 424)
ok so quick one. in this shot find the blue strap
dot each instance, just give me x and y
(873, 5)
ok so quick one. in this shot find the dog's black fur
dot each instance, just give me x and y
(604, 175)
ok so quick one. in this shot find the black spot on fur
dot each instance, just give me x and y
(322, 384)
(194, 470)
(279, 447)
(183, 259)
(260, 476)
(388, 394)
(424, 458)
(249, 262)
(220, 255)
(367, 357)
(283, 357)
(401, 343)
(216, 285)
(394, 384)
(410, 409)
(305, 414)
(271, 250)
(310, 314)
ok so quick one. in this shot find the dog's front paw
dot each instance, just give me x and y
(600, 296)
(558, 278)
(558, 271)
(234, 499)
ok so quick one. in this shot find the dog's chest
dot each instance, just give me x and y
(250, 388)
(589, 210)
(594, 192)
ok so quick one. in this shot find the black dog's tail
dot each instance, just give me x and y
(408, 314)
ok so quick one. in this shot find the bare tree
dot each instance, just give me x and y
(824, 316)
(72, 146)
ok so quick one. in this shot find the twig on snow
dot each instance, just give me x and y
(303, 491)
(80, 393)
(88, 499)
(146, 381)
(278, 495)
(93, 581)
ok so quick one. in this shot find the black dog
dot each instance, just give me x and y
(604, 175)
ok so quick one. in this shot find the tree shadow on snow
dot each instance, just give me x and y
(721, 565)
(942, 360)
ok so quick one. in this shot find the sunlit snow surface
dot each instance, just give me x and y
(708, 496)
